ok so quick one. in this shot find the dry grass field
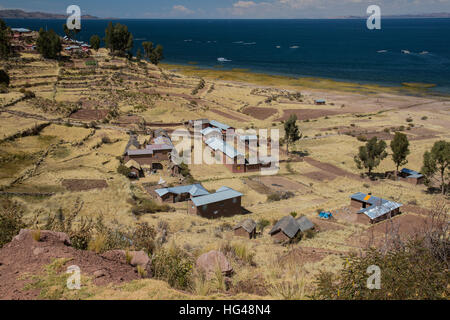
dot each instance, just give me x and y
(72, 148)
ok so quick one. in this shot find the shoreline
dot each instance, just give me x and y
(309, 82)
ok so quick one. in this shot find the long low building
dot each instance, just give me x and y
(374, 209)
(226, 202)
(412, 176)
(180, 193)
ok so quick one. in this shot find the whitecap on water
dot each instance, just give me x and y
(223, 60)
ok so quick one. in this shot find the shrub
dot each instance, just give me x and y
(362, 138)
(106, 140)
(173, 265)
(424, 118)
(141, 271)
(262, 224)
(143, 206)
(11, 214)
(273, 197)
(128, 257)
(144, 238)
(4, 78)
(36, 234)
(409, 119)
(411, 272)
(293, 214)
(121, 169)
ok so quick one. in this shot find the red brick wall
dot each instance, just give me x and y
(241, 232)
(280, 236)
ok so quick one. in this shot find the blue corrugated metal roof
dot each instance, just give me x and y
(218, 144)
(220, 125)
(194, 190)
(209, 130)
(21, 30)
(376, 211)
(372, 200)
(378, 206)
(226, 194)
(412, 173)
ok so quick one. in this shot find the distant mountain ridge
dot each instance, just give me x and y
(20, 14)
(405, 16)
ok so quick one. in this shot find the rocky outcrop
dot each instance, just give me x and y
(211, 261)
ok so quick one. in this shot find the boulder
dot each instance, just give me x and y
(210, 261)
(138, 258)
(46, 236)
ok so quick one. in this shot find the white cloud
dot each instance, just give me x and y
(182, 9)
(244, 4)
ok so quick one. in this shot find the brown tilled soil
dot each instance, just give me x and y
(327, 225)
(282, 184)
(90, 115)
(406, 225)
(302, 255)
(329, 168)
(229, 116)
(260, 113)
(25, 256)
(308, 114)
(83, 184)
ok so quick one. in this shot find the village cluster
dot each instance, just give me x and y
(24, 40)
(157, 150)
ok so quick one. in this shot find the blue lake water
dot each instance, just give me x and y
(337, 49)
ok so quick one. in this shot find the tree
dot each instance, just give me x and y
(154, 54)
(157, 55)
(148, 48)
(291, 130)
(370, 155)
(49, 44)
(118, 39)
(71, 34)
(95, 42)
(437, 160)
(138, 55)
(5, 40)
(400, 149)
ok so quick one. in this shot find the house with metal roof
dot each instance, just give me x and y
(163, 140)
(245, 228)
(225, 202)
(180, 193)
(373, 209)
(236, 160)
(20, 30)
(222, 126)
(412, 176)
(209, 133)
(320, 102)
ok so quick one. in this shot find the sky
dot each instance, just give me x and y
(230, 9)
